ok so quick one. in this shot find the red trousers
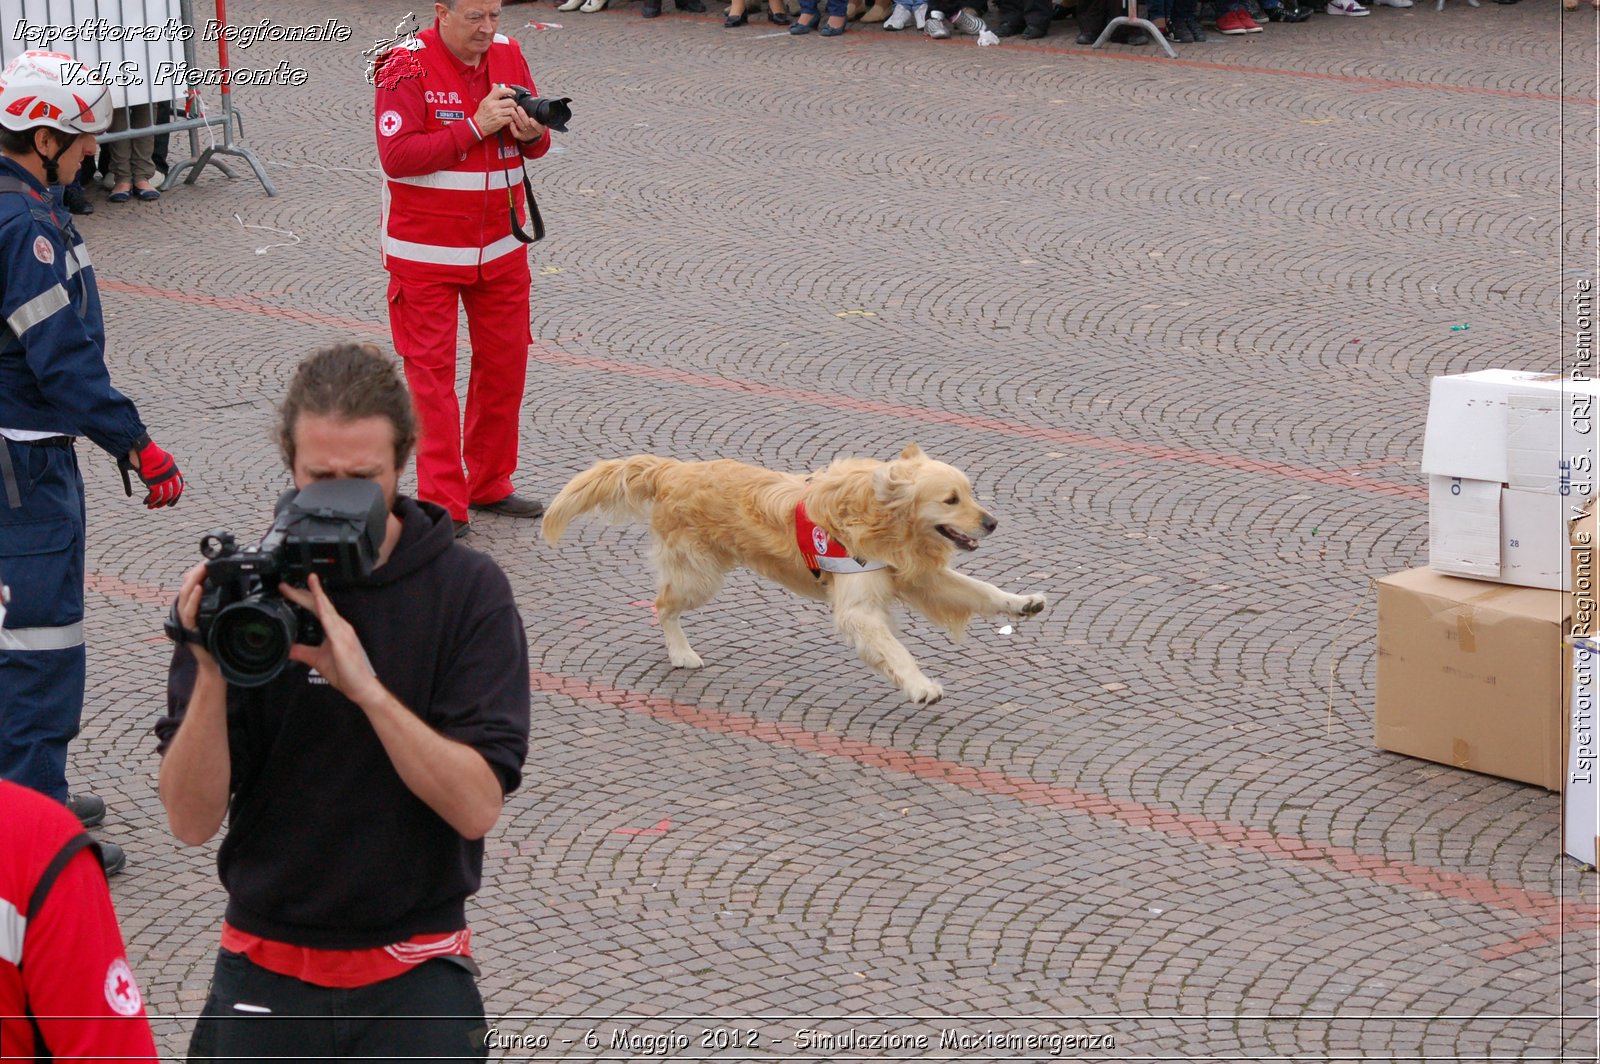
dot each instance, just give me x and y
(423, 320)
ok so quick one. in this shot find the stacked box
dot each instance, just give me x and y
(1499, 454)
(1474, 674)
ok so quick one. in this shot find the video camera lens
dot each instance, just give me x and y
(251, 640)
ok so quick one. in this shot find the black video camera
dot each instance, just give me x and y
(547, 112)
(332, 528)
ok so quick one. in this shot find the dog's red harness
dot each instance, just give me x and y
(822, 552)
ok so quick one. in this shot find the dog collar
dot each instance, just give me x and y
(822, 552)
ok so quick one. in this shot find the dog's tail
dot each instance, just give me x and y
(621, 489)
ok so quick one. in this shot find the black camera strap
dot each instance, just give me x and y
(533, 212)
(533, 204)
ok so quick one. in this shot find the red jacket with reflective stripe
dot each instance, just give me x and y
(63, 963)
(446, 209)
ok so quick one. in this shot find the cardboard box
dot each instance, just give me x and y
(1490, 532)
(1472, 674)
(1503, 426)
(1498, 453)
(1580, 819)
(1464, 527)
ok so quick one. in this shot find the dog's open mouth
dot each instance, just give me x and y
(963, 541)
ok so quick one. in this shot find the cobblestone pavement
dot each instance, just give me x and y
(1177, 320)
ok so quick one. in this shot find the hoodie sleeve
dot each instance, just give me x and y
(483, 699)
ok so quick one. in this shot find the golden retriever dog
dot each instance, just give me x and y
(875, 533)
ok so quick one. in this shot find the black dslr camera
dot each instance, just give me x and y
(547, 112)
(331, 527)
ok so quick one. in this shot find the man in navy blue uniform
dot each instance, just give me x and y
(54, 387)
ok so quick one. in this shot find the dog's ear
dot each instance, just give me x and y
(890, 483)
(911, 451)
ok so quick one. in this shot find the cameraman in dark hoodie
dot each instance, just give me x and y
(360, 782)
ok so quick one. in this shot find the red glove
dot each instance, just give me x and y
(158, 470)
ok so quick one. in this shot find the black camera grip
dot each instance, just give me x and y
(177, 632)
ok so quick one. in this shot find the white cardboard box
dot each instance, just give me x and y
(1497, 449)
(1580, 821)
(1533, 539)
(1485, 531)
(1504, 426)
(1464, 527)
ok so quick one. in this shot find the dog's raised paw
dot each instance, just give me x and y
(1024, 605)
(924, 691)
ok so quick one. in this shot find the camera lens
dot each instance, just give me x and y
(251, 639)
(554, 113)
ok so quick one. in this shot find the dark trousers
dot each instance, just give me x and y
(1032, 12)
(1094, 14)
(256, 1015)
(42, 668)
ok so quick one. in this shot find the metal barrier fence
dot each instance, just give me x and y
(148, 50)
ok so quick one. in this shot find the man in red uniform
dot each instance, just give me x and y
(452, 145)
(66, 992)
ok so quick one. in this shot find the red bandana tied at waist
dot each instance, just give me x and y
(821, 551)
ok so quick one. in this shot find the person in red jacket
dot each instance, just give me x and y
(452, 145)
(66, 991)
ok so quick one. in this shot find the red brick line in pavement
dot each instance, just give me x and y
(114, 587)
(1062, 437)
(1553, 916)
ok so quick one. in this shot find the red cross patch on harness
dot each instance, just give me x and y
(822, 552)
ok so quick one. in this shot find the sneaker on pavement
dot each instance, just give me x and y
(921, 12)
(968, 22)
(87, 808)
(900, 18)
(1345, 7)
(936, 27)
(112, 859)
(1233, 23)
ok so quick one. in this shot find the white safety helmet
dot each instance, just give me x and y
(51, 89)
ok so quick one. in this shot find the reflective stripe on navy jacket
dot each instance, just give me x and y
(53, 375)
